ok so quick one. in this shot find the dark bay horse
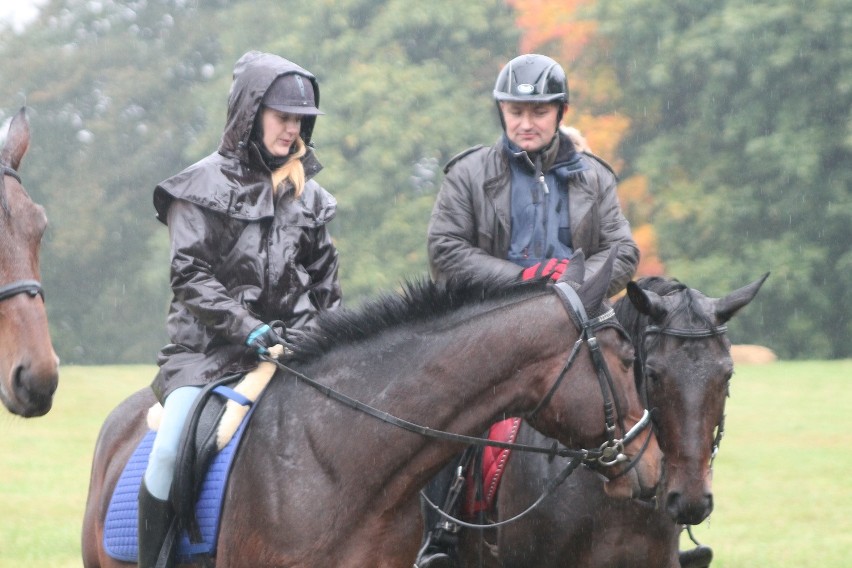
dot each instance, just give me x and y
(683, 367)
(28, 364)
(319, 483)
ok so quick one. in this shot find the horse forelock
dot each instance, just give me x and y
(688, 310)
(420, 301)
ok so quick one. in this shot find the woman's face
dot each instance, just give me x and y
(280, 130)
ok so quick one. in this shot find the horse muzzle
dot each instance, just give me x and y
(688, 509)
(29, 390)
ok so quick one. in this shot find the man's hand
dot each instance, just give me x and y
(553, 267)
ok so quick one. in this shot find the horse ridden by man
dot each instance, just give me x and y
(683, 370)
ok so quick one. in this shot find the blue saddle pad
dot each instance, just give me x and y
(121, 524)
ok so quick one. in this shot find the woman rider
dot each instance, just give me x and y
(251, 256)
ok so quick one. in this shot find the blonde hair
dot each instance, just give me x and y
(292, 170)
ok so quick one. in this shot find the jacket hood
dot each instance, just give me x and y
(234, 180)
(254, 73)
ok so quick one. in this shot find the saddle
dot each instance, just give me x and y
(483, 477)
(208, 444)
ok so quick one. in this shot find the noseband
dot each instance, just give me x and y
(31, 287)
(10, 172)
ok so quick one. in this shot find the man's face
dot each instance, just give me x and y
(530, 126)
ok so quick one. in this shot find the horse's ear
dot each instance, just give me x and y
(576, 271)
(17, 141)
(729, 305)
(646, 302)
(594, 290)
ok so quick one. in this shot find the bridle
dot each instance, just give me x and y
(613, 449)
(609, 454)
(31, 287)
(697, 333)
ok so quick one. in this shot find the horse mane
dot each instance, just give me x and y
(420, 300)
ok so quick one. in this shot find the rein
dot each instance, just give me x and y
(554, 450)
(610, 453)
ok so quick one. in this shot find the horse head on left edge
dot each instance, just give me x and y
(28, 363)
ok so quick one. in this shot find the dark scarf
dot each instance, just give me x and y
(272, 162)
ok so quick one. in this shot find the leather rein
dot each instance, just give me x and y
(31, 287)
(610, 453)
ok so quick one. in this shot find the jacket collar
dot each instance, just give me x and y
(559, 157)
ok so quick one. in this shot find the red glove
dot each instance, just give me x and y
(553, 267)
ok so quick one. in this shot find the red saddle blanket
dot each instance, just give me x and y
(493, 465)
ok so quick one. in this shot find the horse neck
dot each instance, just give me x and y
(458, 378)
(493, 363)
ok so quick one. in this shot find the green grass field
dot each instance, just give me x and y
(783, 496)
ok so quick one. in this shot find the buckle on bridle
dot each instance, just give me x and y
(612, 453)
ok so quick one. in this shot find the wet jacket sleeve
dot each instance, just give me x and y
(193, 233)
(322, 268)
(453, 233)
(614, 230)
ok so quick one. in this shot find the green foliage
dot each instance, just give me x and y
(741, 121)
(125, 94)
(740, 117)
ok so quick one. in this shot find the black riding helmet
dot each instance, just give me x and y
(294, 93)
(531, 78)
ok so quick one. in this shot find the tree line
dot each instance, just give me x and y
(728, 125)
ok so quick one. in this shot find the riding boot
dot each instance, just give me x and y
(698, 557)
(439, 551)
(155, 520)
(440, 541)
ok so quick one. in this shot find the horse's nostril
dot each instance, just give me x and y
(687, 511)
(18, 379)
(672, 504)
(34, 392)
